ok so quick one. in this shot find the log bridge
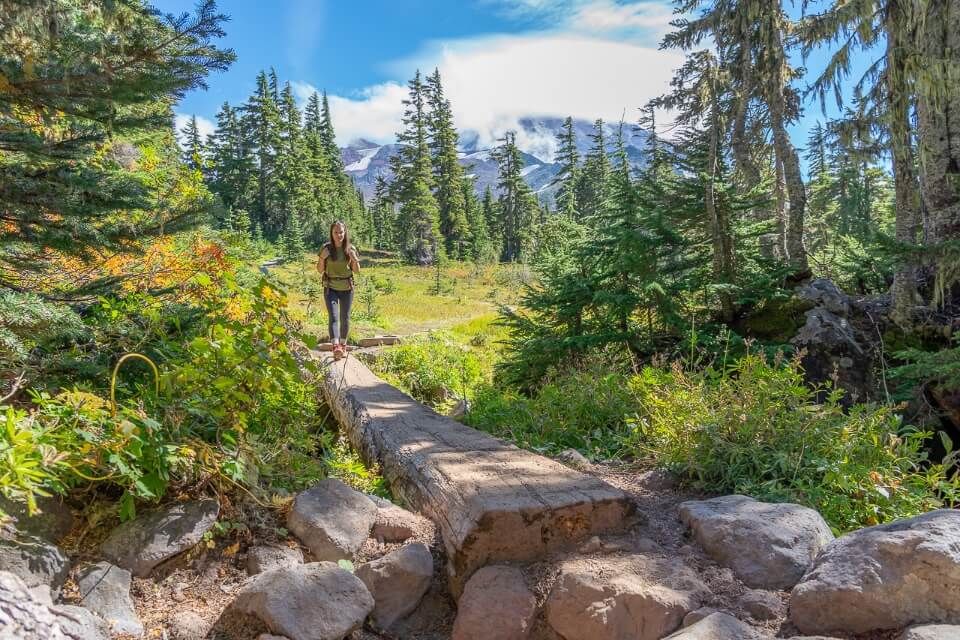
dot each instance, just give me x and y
(492, 501)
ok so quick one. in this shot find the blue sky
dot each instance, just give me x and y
(500, 59)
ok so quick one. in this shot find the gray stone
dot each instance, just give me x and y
(821, 292)
(105, 590)
(265, 557)
(332, 520)
(884, 577)
(141, 544)
(22, 616)
(78, 623)
(932, 632)
(41, 565)
(768, 546)
(574, 458)
(313, 601)
(394, 524)
(658, 480)
(697, 615)
(270, 636)
(638, 597)
(397, 582)
(52, 523)
(717, 626)
(187, 625)
(762, 605)
(496, 605)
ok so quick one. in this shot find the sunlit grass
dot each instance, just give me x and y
(405, 299)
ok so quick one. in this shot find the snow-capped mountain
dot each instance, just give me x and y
(536, 137)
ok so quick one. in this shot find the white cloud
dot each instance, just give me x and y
(180, 121)
(374, 113)
(608, 16)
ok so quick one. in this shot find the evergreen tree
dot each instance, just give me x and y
(262, 117)
(293, 183)
(517, 205)
(83, 91)
(491, 216)
(232, 171)
(413, 181)
(447, 172)
(593, 187)
(293, 247)
(568, 176)
(382, 215)
(193, 147)
(481, 248)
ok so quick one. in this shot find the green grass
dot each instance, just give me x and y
(405, 301)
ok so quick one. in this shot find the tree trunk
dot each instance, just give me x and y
(796, 192)
(938, 120)
(719, 222)
(904, 291)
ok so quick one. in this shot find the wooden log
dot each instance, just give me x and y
(377, 341)
(492, 501)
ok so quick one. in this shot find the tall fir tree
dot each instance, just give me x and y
(413, 181)
(262, 117)
(194, 150)
(232, 174)
(593, 184)
(447, 172)
(568, 175)
(518, 206)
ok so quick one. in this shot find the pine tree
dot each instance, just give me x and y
(593, 187)
(262, 117)
(491, 216)
(447, 172)
(293, 247)
(86, 90)
(413, 181)
(481, 249)
(382, 215)
(517, 205)
(293, 180)
(232, 171)
(568, 176)
(193, 147)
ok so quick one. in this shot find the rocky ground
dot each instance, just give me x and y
(339, 564)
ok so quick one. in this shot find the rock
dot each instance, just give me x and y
(105, 590)
(41, 565)
(265, 557)
(884, 577)
(22, 616)
(768, 546)
(639, 597)
(78, 623)
(696, 616)
(932, 632)
(313, 601)
(459, 410)
(495, 605)
(332, 520)
(762, 605)
(397, 582)
(187, 625)
(54, 521)
(821, 292)
(658, 480)
(393, 524)
(717, 626)
(574, 458)
(270, 636)
(141, 544)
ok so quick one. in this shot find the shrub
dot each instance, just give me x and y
(757, 429)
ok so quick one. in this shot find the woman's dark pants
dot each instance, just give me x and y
(338, 313)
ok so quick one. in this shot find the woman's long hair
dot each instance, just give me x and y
(345, 247)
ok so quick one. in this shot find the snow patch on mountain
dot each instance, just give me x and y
(365, 156)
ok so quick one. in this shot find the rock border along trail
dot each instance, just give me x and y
(492, 501)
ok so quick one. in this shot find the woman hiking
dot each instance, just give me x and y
(337, 263)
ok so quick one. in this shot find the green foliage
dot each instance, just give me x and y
(758, 429)
(941, 367)
(28, 322)
(435, 370)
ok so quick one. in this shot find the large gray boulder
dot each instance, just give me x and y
(265, 557)
(78, 623)
(717, 626)
(22, 616)
(313, 601)
(932, 632)
(141, 544)
(495, 603)
(397, 582)
(637, 597)
(768, 546)
(332, 520)
(105, 590)
(41, 565)
(52, 523)
(884, 577)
